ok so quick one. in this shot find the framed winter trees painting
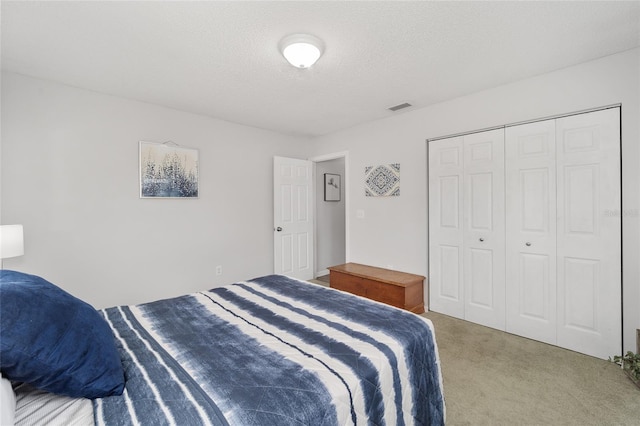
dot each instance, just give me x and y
(168, 170)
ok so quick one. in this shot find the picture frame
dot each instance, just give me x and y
(331, 187)
(167, 170)
(382, 180)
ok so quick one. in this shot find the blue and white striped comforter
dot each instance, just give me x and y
(273, 351)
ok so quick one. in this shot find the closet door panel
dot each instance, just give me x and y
(533, 302)
(589, 233)
(531, 230)
(446, 292)
(481, 279)
(480, 201)
(483, 234)
(581, 281)
(448, 264)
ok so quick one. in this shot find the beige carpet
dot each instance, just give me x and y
(495, 378)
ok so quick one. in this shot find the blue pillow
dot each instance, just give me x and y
(54, 341)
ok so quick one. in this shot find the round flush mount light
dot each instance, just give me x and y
(301, 50)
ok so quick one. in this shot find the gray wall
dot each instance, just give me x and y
(70, 176)
(330, 219)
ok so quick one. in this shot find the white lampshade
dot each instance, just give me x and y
(11, 241)
(301, 50)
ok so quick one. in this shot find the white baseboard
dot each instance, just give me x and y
(322, 273)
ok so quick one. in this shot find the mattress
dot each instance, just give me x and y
(35, 407)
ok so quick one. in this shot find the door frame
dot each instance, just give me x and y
(347, 200)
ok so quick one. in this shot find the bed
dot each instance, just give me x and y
(269, 351)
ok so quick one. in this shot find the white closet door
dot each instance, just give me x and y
(589, 232)
(530, 163)
(484, 228)
(446, 292)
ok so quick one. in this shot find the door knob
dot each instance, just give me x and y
(528, 244)
(278, 229)
(481, 239)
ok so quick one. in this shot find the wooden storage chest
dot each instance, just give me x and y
(395, 288)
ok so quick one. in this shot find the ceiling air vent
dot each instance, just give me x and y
(401, 106)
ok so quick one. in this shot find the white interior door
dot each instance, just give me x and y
(446, 289)
(484, 228)
(589, 232)
(530, 170)
(293, 217)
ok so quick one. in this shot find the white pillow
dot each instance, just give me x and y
(7, 402)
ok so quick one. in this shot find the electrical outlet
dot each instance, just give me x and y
(219, 270)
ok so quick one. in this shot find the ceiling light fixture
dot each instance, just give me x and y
(301, 50)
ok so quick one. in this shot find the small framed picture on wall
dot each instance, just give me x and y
(331, 187)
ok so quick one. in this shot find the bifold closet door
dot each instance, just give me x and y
(484, 228)
(563, 236)
(466, 227)
(525, 230)
(446, 290)
(589, 232)
(530, 170)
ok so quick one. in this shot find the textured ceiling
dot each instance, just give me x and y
(221, 58)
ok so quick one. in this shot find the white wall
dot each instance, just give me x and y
(70, 176)
(394, 229)
(330, 219)
(70, 164)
